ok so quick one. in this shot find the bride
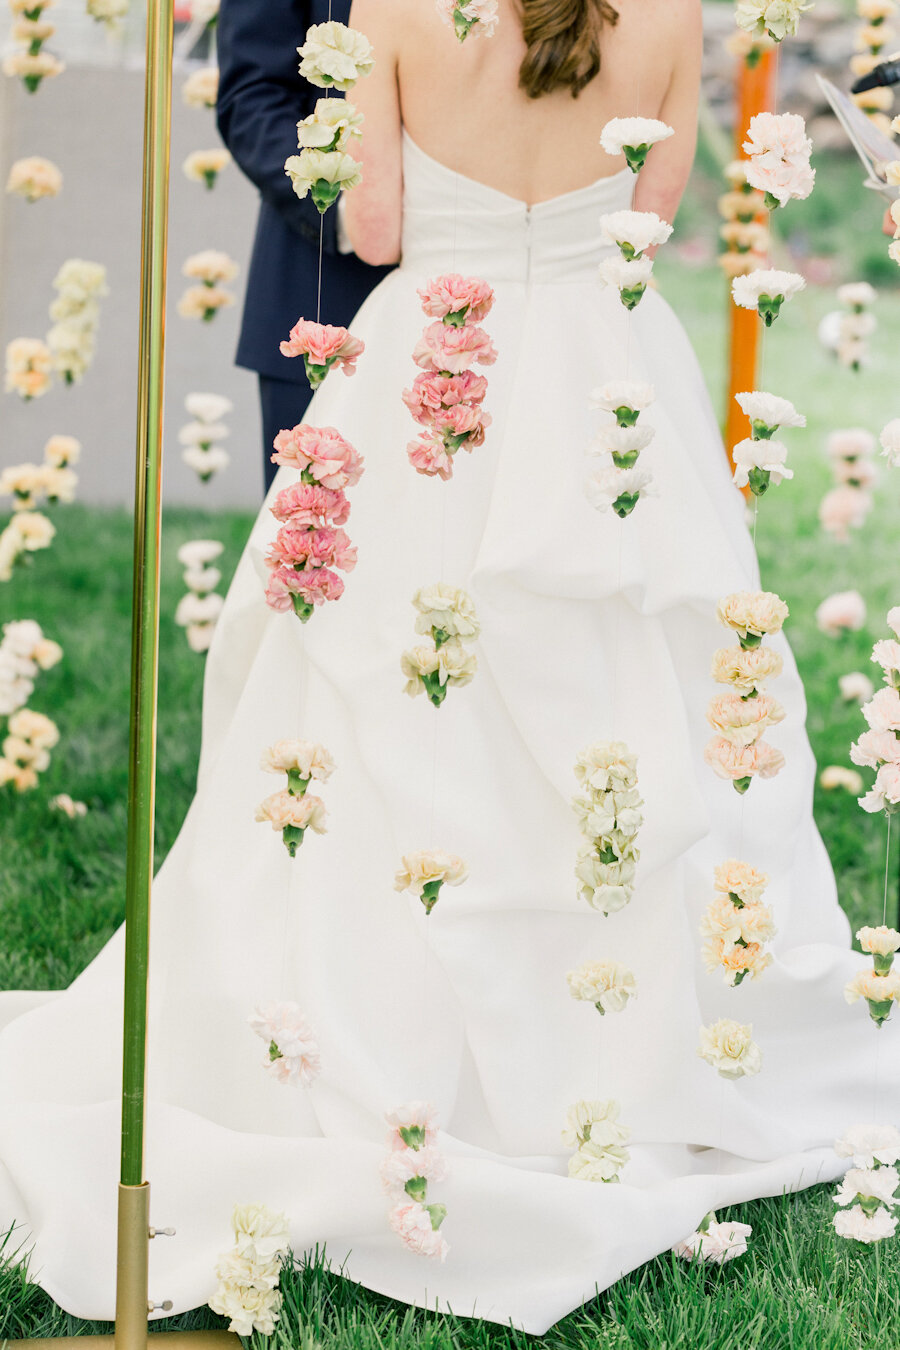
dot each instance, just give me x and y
(480, 159)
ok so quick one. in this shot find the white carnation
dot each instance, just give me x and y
(335, 56)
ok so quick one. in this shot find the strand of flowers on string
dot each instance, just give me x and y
(198, 611)
(249, 1274)
(871, 39)
(68, 350)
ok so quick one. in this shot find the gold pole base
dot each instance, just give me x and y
(171, 1340)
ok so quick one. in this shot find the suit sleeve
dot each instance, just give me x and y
(262, 98)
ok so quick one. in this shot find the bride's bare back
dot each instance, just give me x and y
(462, 104)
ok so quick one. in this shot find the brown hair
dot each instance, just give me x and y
(563, 40)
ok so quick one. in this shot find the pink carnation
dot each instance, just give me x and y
(844, 509)
(742, 761)
(321, 453)
(295, 547)
(314, 507)
(468, 299)
(453, 350)
(463, 425)
(312, 585)
(874, 748)
(322, 345)
(412, 1224)
(427, 455)
(432, 393)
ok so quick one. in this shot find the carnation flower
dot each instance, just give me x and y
(206, 463)
(606, 984)
(779, 151)
(766, 290)
(210, 266)
(768, 412)
(851, 444)
(324, 174)
(879, 992)
(842, 509)
(746, 671)
(714, 1242)
(886, 654)
(433, 671)
(855, 687)
(202, 580)
(208, 408)
(870, 1145)
(202, 433)
(452, 350)
(260, 1234)
(198, 609)
(875, 746)
(332, 126)
(424, 872)
(742, 763)
(626, 398)
(752, 615)
(837, 776)
(624, 443)
(302, 549)
(633, 138)
(310, 507)
(417, 1226)
(62, 451)
(760, 463)
(429, 456)
(292, 1053)
(204, 166)
(592, 1128)
(470, 16)
(199, 552)
(778, 18)
(303, 760)
(34, 178)
(302, 591)
(634, 231)
(406, 1172)
(890, 442)
(108, 12)
(335, 56)
(433, 393)
(740, 881)
(292, 815)
(321, 454)
(619, 489)
(884, 794)
(742, 721)
(201, 88)
(457, 300)
(28, 367)
(32, 67)
(729, 1047)
(607, 766)
(413, 1126)
(204, 302)
(446, 611)
(842, 612)
(322, 346)
(64, 804)
(862, 1227)
(248, 1308)
(857, 294)
(630, 276)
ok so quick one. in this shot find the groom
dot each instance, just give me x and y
(261, 100)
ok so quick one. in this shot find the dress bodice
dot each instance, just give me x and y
(453, 222)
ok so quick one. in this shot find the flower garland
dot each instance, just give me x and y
(34, 178)
(737, 752)
(880, 987)
(200, 437)
(108, 12)
(766, 289)
(26, 749)
(714, 1242)
(198, 611)
(847, 505)
(201, 88)
(29, 368)
(425, 871)
(447, 398)
(26, 533)
(412, 1163)
(871, 39)
(469, 17)
(607, 984)
(65, 806)
(249, 1274)
(24, 653)
(32, 64)
(204, 166)
(294, 810)
(633, 233)
(210, 268)
(760, 461)
(777, 18)
(592, 1128)
(867, 1192)
(292, 1053)
(845, 331)
(745, 231)
(730, 1049)
(324, 168)
(76, 315)
(447, 615)
(609, 815)
(736, 924)
(620, 483)
(778, 158)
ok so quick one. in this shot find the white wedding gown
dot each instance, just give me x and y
(592, 628)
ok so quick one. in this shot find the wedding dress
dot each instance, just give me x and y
(591, 628)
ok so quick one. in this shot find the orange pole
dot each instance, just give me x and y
(755, 94)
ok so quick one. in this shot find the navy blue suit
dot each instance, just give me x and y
(261, 99)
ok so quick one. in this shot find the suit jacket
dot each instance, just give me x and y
(261, 99)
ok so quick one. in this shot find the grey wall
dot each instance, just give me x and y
(89, 122)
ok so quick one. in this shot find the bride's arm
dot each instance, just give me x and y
(374, 210)
(663, 179)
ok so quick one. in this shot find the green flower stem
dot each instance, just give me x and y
(431, 894)
(302, 608)
(457, 317)
(413, 1136)
(760, 481)
(297, 784)
(417, 1189)
(625, 459)
(625, 416)
(293, 838)
(436, 691)
(636, 156)
(750, 641)
(625, 504)
(761, 431)
(440, 636)
(768, 307)
(324, 194)
(741, 784)
(631, 295)
(437, 1214)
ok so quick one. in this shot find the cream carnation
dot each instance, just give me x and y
(716, 1242)
(210, 267)
(606, 984)
(201, 88)
(306, 759)
(325, 173)
(890, 442)
(752, 614)
(34, 178)
(743, 721)
(768, 412)
(862, 1227)
(208, 407)
(618, 489)
(870, 1145)
(629, 394)
(629, 276)
(335, 56)
(607, 766)
(286, 810)
(200, 552)
(881, 941)
(61, 451)
(837, 776)
(759, 463)
(855, 687)
(331, 127)
(729, 1047)
(842, 612)
(426, 870)
(204, 166)
(777, 18)
(746, 671)
(740, 879)
(447, 609)
(634, 231)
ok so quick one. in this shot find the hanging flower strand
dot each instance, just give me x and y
(609, 815)
(760, 461)
(424, 872)
(293, 811)
(736, 924)
(413, 1163)
(447, 615)
(867, 1194)
(633, 233)
(324, 168)
(737, 752)
(619, 483)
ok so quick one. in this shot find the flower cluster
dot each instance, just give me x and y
(871, 38)
(324, 168)
(414, 1160)
(760, 461)
(889, 440)
(619, 482)
(310, 543)
(736, 924)
(446, 399)
(26, 749)
(842, 612)
(31, 485)
(634, 138)
(714, 1242)
(880, 986)
(846, 331)
(867, 1194)
(31, 62)
(248, 1275)
(204, 166)
(210, 269)
(201, 436)
(730, 1048)
(778, 152)
(849, 502)
(34, 178)
(445, 614)
(749, 47)
(424, 872)
(855, 687)
(739, 719)
(198, 611)
(593, 1130)
(292, 1055)
(778, 18)
(609, 816)
(75, 312)
(26, 533)
(607, 984)
(108, 12)
(65, 806)
(335, 56)
(29, 367)
(201, 88)
(745, 231)
(633, 233)
(478, 17)
(766, 289)
(322, 345)
(879, 747)
(24, 653)
(835, 776)
(294, 810)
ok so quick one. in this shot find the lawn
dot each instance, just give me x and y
(61, 882)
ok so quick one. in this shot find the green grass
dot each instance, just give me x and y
(61, 882)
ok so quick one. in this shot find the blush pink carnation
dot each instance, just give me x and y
(301, 591)
(412, 1224)
(321, 454)
(453, 350)
(428, 456)
(741, 763)
(322, 345)
(432, 393)
(457, 299)
(314, 507)
(295, 547)
(462, 425)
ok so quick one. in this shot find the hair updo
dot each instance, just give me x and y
(563, 41)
